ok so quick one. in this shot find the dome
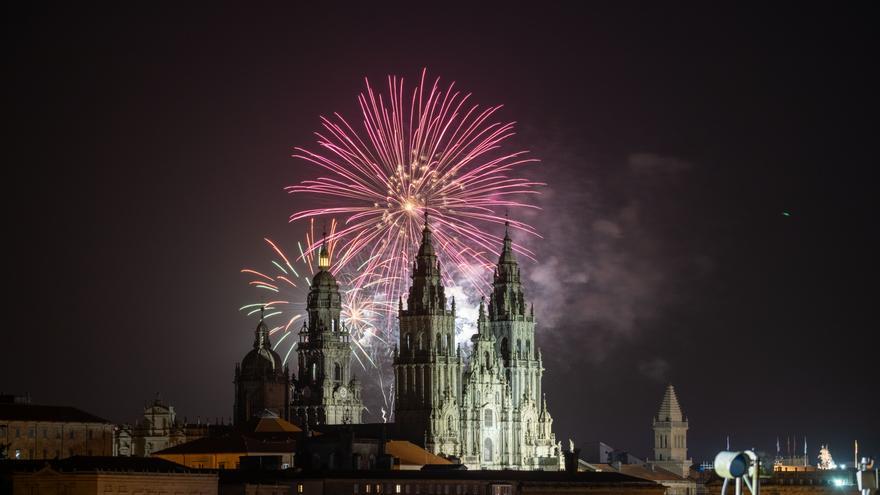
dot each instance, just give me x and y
(261, 360)
(323, 277)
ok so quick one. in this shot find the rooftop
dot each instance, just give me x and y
(34, 412)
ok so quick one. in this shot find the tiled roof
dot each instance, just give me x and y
(32, 412)
(411, 454)
(233, 442)
(98, 463)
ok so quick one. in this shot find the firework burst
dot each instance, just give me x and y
(433, 152)
(284, 288)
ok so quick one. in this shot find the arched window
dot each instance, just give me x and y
(486, 357)
(421, 342)
(337, 372)
(438, 342)
(408, 340)
(314, 371)
(529, 348)
(488, 418)
(487, 450)
(505, 351)
(518, 347)
(449, 343)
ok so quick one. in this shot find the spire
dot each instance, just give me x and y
(670, 410)
(507, 300)
(426, 296)
(427, 247)
(324, 256)
(261, 334)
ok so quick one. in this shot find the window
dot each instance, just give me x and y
(378, 488)
(17, 432)
(367, 488)
(355, 488)
(488, 419)
(91, 434)
(32, 432)
(337, 372)
(72, 434)
(299, 488)
(18, 453)
(408, 340)
(487, 450)
(45, 432)
(396, 488)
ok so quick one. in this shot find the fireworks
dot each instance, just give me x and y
(287, 284)
(435, 152)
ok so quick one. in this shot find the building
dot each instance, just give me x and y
(674, 483)
(670, 436)
(264, 436)
(159, 429)
(31, 431)
(602, 453)
(262, 382)
(103, 476)
(444, 480)
(325, 392)
(490, 414)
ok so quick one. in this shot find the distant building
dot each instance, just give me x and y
(31, 431)
(443, 480)
(325, 391)
(103, 476)
(159, 429)
(267, 435)
(601, 452)
(675, 484)
(670, 436)
(262, 381)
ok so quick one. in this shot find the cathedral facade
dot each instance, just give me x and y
(491, 413)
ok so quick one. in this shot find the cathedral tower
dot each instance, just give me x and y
(325, 391)
(514, 327)
(670, 436)
(427, 364)
(261, 381)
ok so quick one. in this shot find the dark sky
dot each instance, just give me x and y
(147, 151)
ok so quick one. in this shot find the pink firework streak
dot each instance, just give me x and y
(435, 152)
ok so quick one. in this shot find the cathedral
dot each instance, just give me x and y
(325, 391)
(490, 413)
(487, 411)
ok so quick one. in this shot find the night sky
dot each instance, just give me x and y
(147, 152)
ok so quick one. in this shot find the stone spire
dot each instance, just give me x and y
(670, 410)
(507, 300)
(426, 296)
(261, 334)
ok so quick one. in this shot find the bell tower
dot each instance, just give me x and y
(325, 391)
(427, 364)
(514, 327)
(670, 436)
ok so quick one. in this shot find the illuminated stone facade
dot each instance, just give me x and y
(325, 391)
(490, 414)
